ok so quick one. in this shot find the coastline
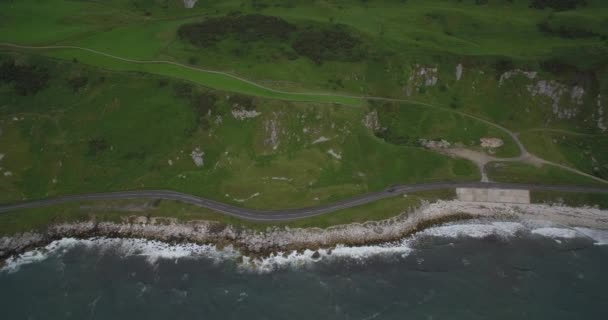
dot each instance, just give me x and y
(284, 239)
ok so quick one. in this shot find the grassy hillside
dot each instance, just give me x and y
(83, 130)
(275, 104)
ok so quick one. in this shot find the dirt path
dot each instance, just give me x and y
(524, 156)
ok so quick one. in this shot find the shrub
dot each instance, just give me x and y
(27, 80)
(242, 101)
(565, 31)
(204, 103)
(77, 82)
(246, 28)
(558, 5)
(329, 44)
(97, 146)
(183, 90)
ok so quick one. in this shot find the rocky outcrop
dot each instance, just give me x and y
(274, 239)
(421, 77)
(459, 70)
(242, 114)
(492, 143)
(434, 144)
(272, 131)
(371, 121)
(197, 157)
(556, 91)
(189, 4)
(507, 75)
(601, 124)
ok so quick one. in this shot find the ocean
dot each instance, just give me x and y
(475, 270)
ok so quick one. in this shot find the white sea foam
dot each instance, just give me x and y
(153, 251)
(556, 233)
(13, 264)
(600, 237)
(474, 230)
(296, 259)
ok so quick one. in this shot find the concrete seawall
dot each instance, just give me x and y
(493, 195)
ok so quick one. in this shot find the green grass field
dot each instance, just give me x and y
(525, 173)
(588, 153)
(158, 85)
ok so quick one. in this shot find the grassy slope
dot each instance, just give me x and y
(46, 142)
(524, 173)
(426, 32)
(588, 153)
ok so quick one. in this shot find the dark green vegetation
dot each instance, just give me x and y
(292, 121)
(558, 5)
(26, 80)
(256, 32)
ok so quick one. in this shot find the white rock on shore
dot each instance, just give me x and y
(284, 238)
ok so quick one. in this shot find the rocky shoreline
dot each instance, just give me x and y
(284, 239)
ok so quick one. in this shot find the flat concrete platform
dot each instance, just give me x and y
(493, 195)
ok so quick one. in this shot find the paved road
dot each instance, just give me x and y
(288, 214)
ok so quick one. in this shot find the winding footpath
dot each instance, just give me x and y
(287, 214)
(292, 214)
(525, 156)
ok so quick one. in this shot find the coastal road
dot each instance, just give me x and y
(288, 214)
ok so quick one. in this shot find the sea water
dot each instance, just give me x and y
(477, 270)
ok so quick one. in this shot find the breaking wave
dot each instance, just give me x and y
(153, 251)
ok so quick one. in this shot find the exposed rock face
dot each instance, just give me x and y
(507, 75)
(335, 154)
(459, 70)
(272, 130)
(488, 142)
(197, 157)
(189, 4)
(371, 121)
(600, 115)
(421, 77)
(555, 91)
(434, 144)
(321, 139)
(242, 114)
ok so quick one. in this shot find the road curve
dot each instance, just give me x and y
(287, 214)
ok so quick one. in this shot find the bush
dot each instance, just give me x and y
(401, 140)
(242, 101)
(28, 80)
(77, 82)
(183, 90)
(503, 65)
(565, 31)
(204, 103)
(558, 5)
(247, 28)
(97, 146)
(329, 44)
